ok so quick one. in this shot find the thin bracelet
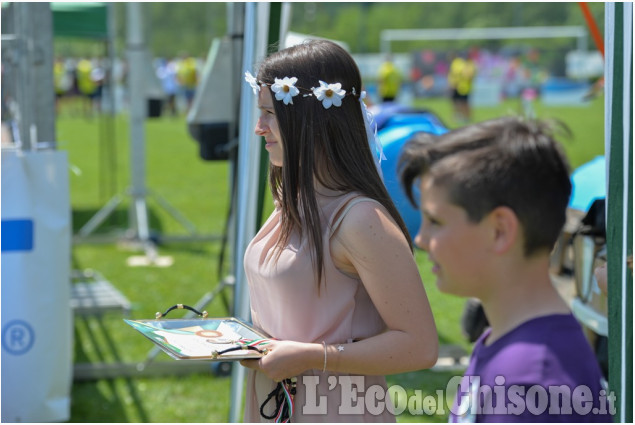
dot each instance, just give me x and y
(324, 368)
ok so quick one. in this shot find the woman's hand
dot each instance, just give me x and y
(601, 276)
(286, 359)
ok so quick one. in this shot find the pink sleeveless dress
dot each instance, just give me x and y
(286, 305)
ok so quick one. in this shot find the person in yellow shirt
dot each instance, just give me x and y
(388, 80)
(87, 85)
(61, 81)
(187, 76)
(460, 77)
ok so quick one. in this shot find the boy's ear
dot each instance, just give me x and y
(506, 229)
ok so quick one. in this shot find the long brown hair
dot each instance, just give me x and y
(324, 145)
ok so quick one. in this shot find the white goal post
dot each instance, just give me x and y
(389, 36)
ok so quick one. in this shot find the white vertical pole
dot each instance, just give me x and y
(138, 110)
(285, 19)
(112, 57)
(33, 53)
(247, 181)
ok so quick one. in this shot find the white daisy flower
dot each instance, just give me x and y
(285, 89)
(252, 82)
(329, 94)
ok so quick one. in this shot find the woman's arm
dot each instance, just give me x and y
(368, 242)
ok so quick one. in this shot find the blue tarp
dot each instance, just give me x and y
(589, 183)
(397, 130)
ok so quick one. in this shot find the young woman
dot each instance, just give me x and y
(332, 277)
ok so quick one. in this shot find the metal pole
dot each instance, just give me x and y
(384, 44)
(35, 98)
(582, 42)
(112, 57)
(285, 20)
(138, 111)
(618, 115)
(235, 30)
(41, 30)
(22, 112)
(112, 84)
(248, 165)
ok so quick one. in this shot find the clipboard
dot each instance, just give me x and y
(210, 339)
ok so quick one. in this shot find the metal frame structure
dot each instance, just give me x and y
(138, 192)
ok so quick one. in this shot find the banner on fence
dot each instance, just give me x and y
(37, 356)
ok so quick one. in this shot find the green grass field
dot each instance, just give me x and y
(200, 191)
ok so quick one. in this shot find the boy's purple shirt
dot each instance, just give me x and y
(546, 351)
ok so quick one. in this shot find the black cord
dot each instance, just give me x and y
(278, 393)
(239, 347)
(281, 402)
(160, 315)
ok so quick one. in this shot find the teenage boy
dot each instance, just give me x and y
(493, 201)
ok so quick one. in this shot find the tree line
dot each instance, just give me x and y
(176, 28)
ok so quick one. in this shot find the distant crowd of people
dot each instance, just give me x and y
(81, 78)
(178, 77)
(85, 81)
(453, 74)
(175, 80)
(460, 76)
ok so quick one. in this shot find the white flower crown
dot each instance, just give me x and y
(285, 90)
(328, 94)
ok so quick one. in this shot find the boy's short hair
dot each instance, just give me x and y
(510, 161)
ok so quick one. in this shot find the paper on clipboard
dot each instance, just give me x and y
(199, 339)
